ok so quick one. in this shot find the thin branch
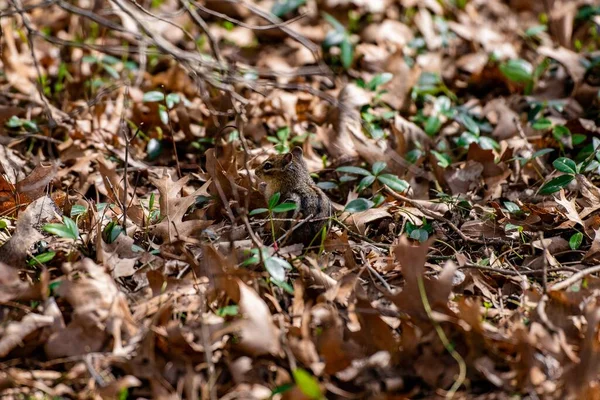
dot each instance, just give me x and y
(575, 277)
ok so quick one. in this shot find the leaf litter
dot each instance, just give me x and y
(457, 140)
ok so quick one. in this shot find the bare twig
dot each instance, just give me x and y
(575, 277)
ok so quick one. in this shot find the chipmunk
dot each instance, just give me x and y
(288, 175)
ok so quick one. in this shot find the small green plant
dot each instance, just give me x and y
(570, 169)
(112, 231)
(575, 240)
(274, 207)
(375, 174)
(420, 233)
(67, 230)
(358, 205)
(20, 123)
(40, 259)
(276, 267)
(283, 142)
(169, 101)
(339, 36)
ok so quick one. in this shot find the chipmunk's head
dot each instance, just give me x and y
(283, 170)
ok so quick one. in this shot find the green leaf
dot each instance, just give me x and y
(575, 240)
(358, 205)
(276, 267)
(541, 152)
(517, 70)
(444, 160)
(274, 200)
(77, 210)
(110, 60)
(89, 59)
(67, 230)
(512, 227)
(153, 149)
(14, 122)
(511, 207)
(327, 185)
(395, 183)
(365, 183)
(535, 30)
(469, 123)
(172, 99)
(258, 211)
(3, 223)
(578, 138)
(153, 198)
(114, 233)
(308, 384)
(163, 114)
(284, 285)
(541, 124)
(333, 38)
(281, 8)
(334, 22)
(566, 165)
(379, 79)
(41, 258)
(432, 125)
(31, 126)
(554, 185)
(285, 207)
(153, 96)
(111, 71)
(419, 234)
(347, 52)
(560, 131)
(228, 311)
(353, 170)
(378, 167)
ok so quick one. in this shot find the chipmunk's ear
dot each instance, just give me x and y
(287, 159)
(297, 151)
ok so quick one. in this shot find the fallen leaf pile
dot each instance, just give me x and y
(458, 141)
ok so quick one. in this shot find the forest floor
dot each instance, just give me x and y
(457, 139)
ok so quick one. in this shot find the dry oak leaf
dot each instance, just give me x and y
(100, 311)
(411, 260)
(570, 208)
(15, 196)
(173, 209)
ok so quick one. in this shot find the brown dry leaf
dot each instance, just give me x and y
(12, 288)
(114, 189)
(16, 250)
(569, 59)
(570, 208)
(119, 255)
(411, 261)
(100, 312)
(173, 208)
(16, 332)
(358, 221)
(258, 333)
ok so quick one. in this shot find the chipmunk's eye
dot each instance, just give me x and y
(267, 166)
